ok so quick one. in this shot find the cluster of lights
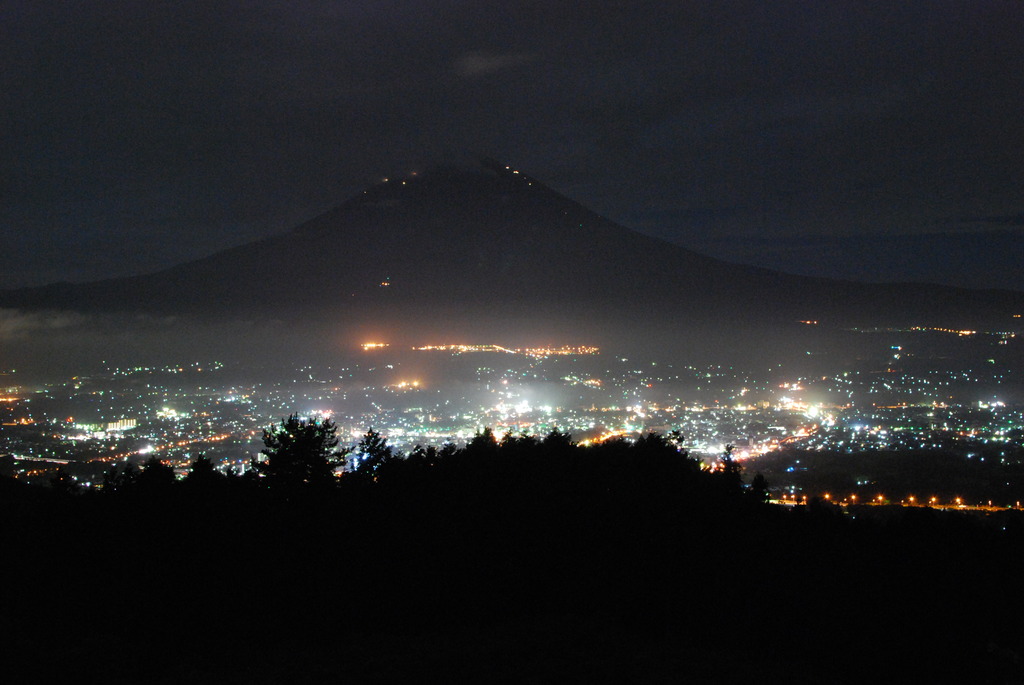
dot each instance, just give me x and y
(564, 350)
(943, 330)
(459, 349)
(173, 368)
(909, 501)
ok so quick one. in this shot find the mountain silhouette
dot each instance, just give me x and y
(461, 241)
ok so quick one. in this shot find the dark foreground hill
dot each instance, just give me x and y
(456, 244)
(521, 562)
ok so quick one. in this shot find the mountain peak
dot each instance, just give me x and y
(482, 238)
(488, 177)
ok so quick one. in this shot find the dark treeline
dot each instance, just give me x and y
(523, 559)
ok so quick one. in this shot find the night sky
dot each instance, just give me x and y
(869, 140)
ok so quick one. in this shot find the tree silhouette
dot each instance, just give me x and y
(156, 475)
(484, 442)
(729, 472)
(371, 455)
(558, 440)
(201, 468)
(426, 457)
(202, 476)
(300, 451)
(759, 488)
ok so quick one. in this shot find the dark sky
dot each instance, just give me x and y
(874, 140)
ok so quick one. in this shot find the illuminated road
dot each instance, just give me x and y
(952, 506)
(120, 456)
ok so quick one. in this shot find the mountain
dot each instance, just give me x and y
(457, 243)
